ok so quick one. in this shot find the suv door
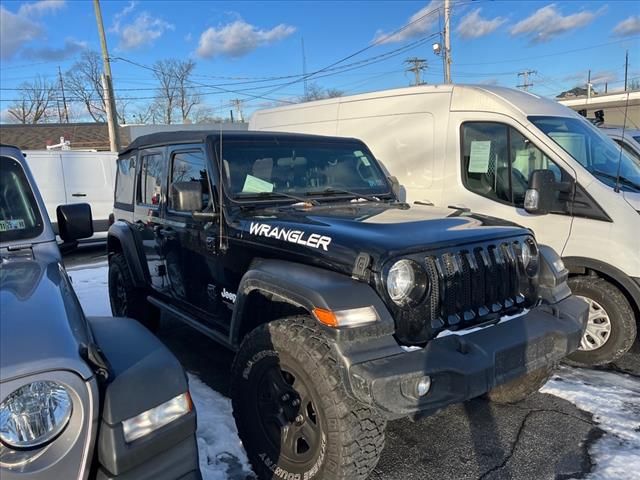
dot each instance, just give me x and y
(148, 213)
(191, 243)
(496, 162)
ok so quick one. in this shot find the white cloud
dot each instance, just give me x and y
(70, 48)
(144, 30)
(418, 24)
(630, 26)
(473, 25)
(18, 29)
(238, 38)
(547, 23)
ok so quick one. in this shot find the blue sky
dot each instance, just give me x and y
(244, 41)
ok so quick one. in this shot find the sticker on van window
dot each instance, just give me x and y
(8, 225)
(479, 157)
(256, 185)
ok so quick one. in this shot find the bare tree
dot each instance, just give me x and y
(316, 92)
(84, 81)
(188, 96)
(175, 93)
(35, 103)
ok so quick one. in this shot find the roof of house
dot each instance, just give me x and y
(80, 135)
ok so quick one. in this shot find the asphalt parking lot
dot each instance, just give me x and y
(545, 437)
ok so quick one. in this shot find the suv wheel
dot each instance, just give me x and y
(293, 414)
(127, 300)
(611, 327)
(519, 389)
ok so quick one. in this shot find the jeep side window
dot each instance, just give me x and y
(497, 161)
(188, 172)
(125, 182)
(150, 180)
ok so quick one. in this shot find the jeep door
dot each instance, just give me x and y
(191, 240)
(148, 213)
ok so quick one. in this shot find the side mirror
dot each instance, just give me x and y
(540, 195)
(187, 196)
(397, 189)
(74, 221)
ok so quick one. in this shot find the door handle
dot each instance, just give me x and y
(78, 194)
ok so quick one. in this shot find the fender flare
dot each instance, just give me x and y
(578, 265)
(310, 287)
(131, 250)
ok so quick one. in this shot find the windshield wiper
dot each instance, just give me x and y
(338, 191)
(268, 195)
(622, 179)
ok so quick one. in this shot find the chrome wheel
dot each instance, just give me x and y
(598, 328)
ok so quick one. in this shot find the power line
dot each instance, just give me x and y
(417, 66)
(525, 76)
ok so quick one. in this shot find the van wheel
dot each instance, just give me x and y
(293, 414)
(519, 389)
(127, 300)
(611, 327)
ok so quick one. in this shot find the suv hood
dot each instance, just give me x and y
(633, 199)
(42, 325)
(342, 231)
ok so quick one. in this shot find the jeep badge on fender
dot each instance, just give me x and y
(337, 297)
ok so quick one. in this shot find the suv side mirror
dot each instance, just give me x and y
(187, 196)
(74, 221)
(540, 195)
(397, 189)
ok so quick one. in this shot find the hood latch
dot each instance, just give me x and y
(361, 267)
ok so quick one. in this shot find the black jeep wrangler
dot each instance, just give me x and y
(346, 307)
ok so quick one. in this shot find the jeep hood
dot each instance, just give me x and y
(42, 325)
(341, 231)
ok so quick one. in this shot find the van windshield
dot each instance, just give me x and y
(20, 217)
(592, 149)
(296, 169)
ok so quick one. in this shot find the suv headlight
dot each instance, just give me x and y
(34, 414)
(407, 282)
(530, 257)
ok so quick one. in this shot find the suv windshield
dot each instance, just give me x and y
(592, 149)
(19, 214)
(300, 168)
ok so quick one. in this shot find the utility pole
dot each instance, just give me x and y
(418, 65)
(626, 69)
(589, 85)
(238, 104)
(107, 82)
(304, 68)
(64, 99)
(525, 76)
(447, 41)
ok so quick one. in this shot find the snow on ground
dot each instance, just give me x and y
(222, 456)
(614, 401)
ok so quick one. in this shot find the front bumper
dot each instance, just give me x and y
(462, 367)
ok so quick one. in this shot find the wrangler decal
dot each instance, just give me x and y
(313, 240)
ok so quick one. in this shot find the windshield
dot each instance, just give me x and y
(300, 169)
(19, 215)
(592, 149)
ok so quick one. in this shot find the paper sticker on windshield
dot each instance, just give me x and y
(256, 185)
(8, 225)
(480, 155)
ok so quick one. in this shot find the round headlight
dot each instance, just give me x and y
(406, 282)
(34, 414)
(530, 257)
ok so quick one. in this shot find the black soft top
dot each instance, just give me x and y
(201, 136)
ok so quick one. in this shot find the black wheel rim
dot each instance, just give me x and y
(288, 415)
(119, 294)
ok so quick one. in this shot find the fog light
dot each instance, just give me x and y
(423, 386)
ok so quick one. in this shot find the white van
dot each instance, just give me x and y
(477, 147)
(68, 176)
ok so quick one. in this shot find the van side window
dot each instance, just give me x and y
(188, 174)
(150, 180)
(125, 181)
(497, 161)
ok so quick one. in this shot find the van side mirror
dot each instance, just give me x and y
(540, 195)
(187, 196)
(74, 221)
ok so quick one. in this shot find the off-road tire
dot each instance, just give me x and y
(135, 304)
(621, 316)
(353, 433)
(519, 389)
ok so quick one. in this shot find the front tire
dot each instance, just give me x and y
(611, 327)
(127, 300)
(293, 414)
